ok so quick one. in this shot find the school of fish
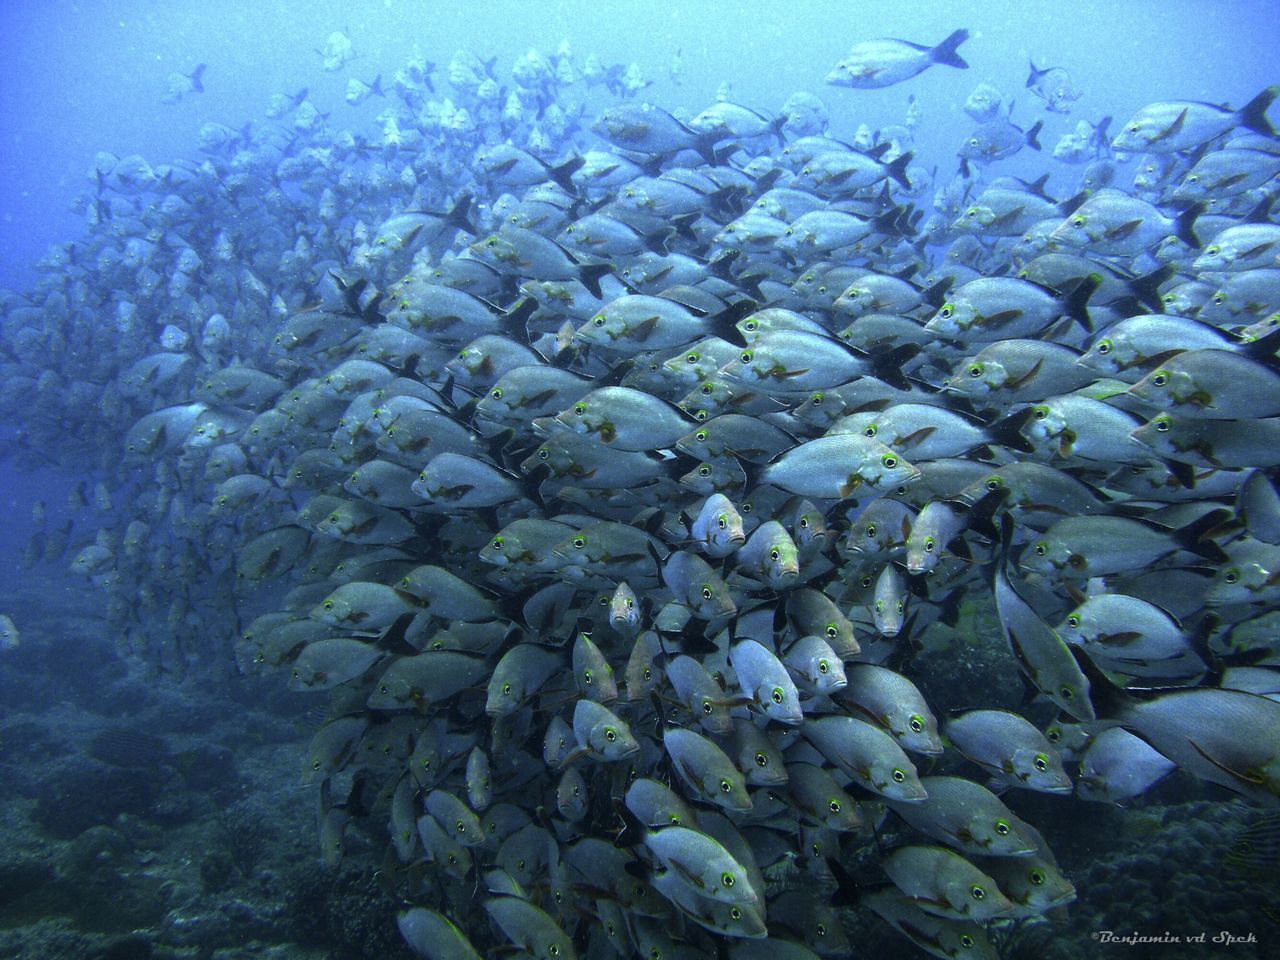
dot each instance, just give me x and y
(607, 473)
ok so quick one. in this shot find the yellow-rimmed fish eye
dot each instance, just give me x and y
(543, 453)
(971, 213)
(691, 358)
(553, 949)
(804, 523)
(327, 605)
(701, 415)
(1135, 128)
(707, 389)
(1231, 576)
(774, 555)
(735, 913)
(496, 393)
(832, 631)
(1073, 621)
(899, 776)
(946, 311)
(598, 320)
(726, 786)
(579, 409)
(579, 542)
(977, 892)
(834, 806)
(1002, 827)
(1104, 346)
(778, 695)
(1041, 762)
(610, 734)
(506, 688)
(869, 430)
(1066, 692)
(994, 483)
(822, 288)
(966, 941)
(707, 593)
(708, 708)
(1213, 250)
(817, 399)
(701, 436)
(879, 606)
(901, 606)
(889, 460)
(727, 879)
(586, 677)
(1219, 299)
(746, 356)
(647, 674)
(916, 723)
(975, 369)
(824, 667)
(762, 760)
(871, 530)
(1036, 877)
(1040, 412)
(497, 543)
(721, 522)
(1077, 221)
(929, 544)
(1160, 378)
(491, 242)
(1041, 548)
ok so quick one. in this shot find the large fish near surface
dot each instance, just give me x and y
(882, 63)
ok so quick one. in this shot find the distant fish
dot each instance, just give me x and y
(1256, 848)
(181, 84)
(129, 748)
(882, 63)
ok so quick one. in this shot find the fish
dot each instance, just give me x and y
(881, 63)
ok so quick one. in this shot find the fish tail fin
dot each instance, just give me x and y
(197, 82)
(1184, 225)
(779, 122)
(1195, 536)
(516, 319)
(1099, 136)
(1077, 303)
(682, 225)
(945, 52)
(375, 88)
(1146, 288)
(563, 173)
(898, 169)
(1035, 74)
(1253, 115)
(887, 366)
(590, 275)
(1032, 142)
(725, 323)
(459, 216)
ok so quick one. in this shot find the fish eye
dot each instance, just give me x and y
(1104, 346)
(610, 734)
(1041, 762)
(975, 370)
(889, 460)
(749, 325)
(1066, 692)
(1160, 378)
(707, 708)
(973, 141)
(598, 320)
(648, 674)
(1042, 548)
(870, 430)
(722, 523)
(726, 786)
(879, 606)
(586, 677)
(1073, 621)
(966, 940)
(778, 696)
(554, 949)
(1077, 221)
(544, 453)
(866, 582)
(971, 212)
(774, 555)
(700, 416)
(1041, 412)
(946, 311)
(977, 892)
(1036, 877)
(1053, 734)
(506, 689)
(1002, 827)
(762, 760)
(871, 529)
(834, 806)
(492, 242)
(821, 929)
(579, 409)
(704, 471)
(707, 389)
(823, 666)
(899, 776)
(804, 523)
(496, 393)
(816, 399)
(328, 605)
(701, 436)
(746, 507)
(706, 593)
(1213, 251)
(916, 723)
(727, 879)
(929, 544)
(1219, 299)
(691, 358)
(746, 357)
(1231, 576)
(994, 483)
(579, 542)
(832, 631)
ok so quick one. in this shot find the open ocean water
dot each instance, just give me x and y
(593, 480)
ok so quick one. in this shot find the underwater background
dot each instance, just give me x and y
(153, 758)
